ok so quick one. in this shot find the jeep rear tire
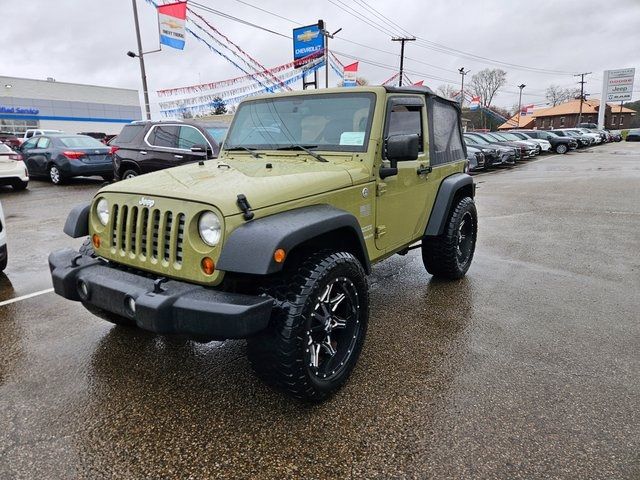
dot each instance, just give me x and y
(449, 255)
(317, 328)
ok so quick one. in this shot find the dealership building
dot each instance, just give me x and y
(70, 107)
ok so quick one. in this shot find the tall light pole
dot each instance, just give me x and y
(521, 86)
(325, 33)
(402, 41)
(145, 90)
(462, 74)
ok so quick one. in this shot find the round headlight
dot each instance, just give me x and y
(210, 228)
(102, 210)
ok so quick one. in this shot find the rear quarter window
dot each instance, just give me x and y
(129, 133)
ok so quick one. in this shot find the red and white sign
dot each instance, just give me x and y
(171, 21)
(526, 110)
(350, 75)
(475, 103)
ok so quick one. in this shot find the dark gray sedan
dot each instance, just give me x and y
(59, 157)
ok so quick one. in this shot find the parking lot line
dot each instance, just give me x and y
(25, 297)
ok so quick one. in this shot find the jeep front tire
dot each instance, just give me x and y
(317, 328)
(449, 255)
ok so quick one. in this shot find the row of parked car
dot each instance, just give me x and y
(491, 149)
(141, 147)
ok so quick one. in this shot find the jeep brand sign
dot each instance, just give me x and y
(618, 84)
(307, 40)
(146, 202)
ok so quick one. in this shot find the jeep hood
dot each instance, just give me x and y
(219, 182)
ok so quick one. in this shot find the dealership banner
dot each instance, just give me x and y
(526, 110)
(171, 21)
(350, 75)
(475, 103)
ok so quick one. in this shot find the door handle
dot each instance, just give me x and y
(422, 170)
(178, 156)
(143, 152)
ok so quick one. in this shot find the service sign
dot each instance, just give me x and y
(307, 40)
(619, 84)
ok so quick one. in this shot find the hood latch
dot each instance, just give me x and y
(243, 204)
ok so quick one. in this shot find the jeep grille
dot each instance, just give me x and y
(148, 233)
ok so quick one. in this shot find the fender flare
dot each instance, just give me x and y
(77, 223)
(449, 187)
(250, 247)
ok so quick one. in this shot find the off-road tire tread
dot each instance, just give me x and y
(439, 253)
(274, 353)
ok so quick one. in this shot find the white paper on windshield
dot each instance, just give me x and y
(352, 138)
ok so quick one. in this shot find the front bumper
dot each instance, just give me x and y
(171, 307)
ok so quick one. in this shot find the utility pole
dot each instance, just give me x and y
(145, 90)
(325, 33)
(462, 74)
(581, 82)
(521, 87)
(402, 41)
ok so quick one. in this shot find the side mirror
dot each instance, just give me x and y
(399, 148)
(202, 149)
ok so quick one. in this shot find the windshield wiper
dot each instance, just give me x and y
(306, 149)
(246, 149)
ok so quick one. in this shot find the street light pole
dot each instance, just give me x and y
(325, 33)
(145, 90)
(462, 74)
(521, 86)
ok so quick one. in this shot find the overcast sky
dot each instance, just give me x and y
(85, 41)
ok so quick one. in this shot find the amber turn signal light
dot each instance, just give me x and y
(95, 239)
(279, 255)
(208, 267)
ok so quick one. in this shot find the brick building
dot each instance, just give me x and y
(566, 115)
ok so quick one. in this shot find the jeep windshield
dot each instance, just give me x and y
(338, 122)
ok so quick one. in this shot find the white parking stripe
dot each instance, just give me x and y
(24, 297)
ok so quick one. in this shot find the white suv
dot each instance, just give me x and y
(34, 132)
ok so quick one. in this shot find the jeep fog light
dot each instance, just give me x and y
(209, 228)
(102, 210)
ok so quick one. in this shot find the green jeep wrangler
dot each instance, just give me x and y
(273, 240)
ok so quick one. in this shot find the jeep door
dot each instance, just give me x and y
(404, 200)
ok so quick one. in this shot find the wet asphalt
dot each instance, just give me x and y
(527, 368)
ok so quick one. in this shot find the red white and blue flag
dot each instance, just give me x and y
(171, 20)
(350, 75)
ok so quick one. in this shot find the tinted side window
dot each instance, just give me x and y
(43, 142)
(444, 125)
(31, 143)
(28, 135)
(128, 133)
(164, 136)
(189, 137)
(406, 120)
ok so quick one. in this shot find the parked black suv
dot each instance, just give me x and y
(143, 147)
(558, 144)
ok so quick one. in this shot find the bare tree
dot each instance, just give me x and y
(486, 83)
(556, 95)
(447, 91)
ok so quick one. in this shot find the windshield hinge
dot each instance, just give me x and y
(243, 204)
(381, 189)
(380, 231)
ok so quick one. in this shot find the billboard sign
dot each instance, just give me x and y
(306, 41)
(618, 84)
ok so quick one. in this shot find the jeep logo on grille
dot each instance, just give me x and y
(146, 202)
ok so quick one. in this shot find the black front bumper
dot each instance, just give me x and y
(171, 307)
